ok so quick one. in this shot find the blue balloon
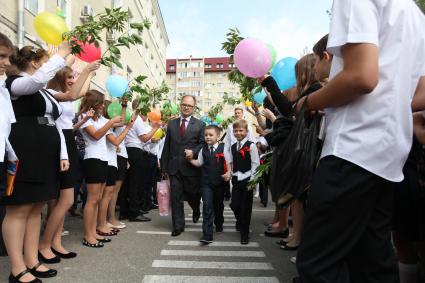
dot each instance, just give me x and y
(214, 123)
(284, 73)
(116, 85)
(259, 97)
(206, 120)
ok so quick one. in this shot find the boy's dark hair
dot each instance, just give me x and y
(320, 47)
(217, 129)
(5, 41)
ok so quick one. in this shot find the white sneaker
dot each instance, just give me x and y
(294, 259)
(121, 226)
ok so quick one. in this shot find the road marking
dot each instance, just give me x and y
(200, 230)
(214, 244)
(200, 220)
(212, 265)
(154, 232)
(200, 224)
(206, 279)
(214, 253)
(225, 215)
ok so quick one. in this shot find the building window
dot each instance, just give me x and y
(231, 65)
(220, 66)
(172, 67)
(32, 6)
(207, 66)
(219, 85)
(62, 6)
(197, 84)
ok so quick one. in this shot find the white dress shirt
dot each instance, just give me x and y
(375, 131)
(95, 148)
(7, 117)
(255, 160)
(139, 128)
(201, 158)
(187, 121)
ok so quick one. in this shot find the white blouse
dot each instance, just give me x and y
(7, 117)
(122, 149)
(65, 119)
(95, 148)
(112, 151)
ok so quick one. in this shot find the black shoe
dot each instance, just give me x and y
(244, 240)
(43, 274)
(176, 232)
(66, 256)
(97, 245)
(288, 248)
(206, 240)
(142, 211)
(104, 240)
(280, 234)
(15, 279)
(43, 259)
(154, 206)
(219, 229)
(139, 218)
(146, 209)
(195, 216)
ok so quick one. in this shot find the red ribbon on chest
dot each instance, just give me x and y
(243, 150)
(221, 155)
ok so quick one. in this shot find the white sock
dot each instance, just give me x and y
(408, 273)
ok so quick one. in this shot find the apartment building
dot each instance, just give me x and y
(149, 58)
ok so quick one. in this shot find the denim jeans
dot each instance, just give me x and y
(213, 207)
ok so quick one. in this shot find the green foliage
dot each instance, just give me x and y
(261, 170)
(421, 4)
(148, 97)
(112, 20)
(218, 109)
(166, 111)
(246, 85)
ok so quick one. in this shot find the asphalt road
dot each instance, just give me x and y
(145, 252)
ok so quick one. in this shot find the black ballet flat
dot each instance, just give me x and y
(15, 279)
(104, 240)
(52, 260)
(65, 256)
(43, 274)
(88, 244)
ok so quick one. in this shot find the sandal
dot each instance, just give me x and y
(97, 245)
(112, 233)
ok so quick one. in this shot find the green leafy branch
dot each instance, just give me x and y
(148, 97)
(112, 20)
(261, 171)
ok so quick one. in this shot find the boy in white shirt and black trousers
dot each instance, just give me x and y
(242, 162)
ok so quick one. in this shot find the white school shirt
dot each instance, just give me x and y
(139, 128)
(65, 119)
(112, 151)
(95, 148)
(375, 131)
(231, 139)
(122, 149)
(200, 156)
(255, 161)
(7, 117)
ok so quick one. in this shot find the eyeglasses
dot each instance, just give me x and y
(187, 105)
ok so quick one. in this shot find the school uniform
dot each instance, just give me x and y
(112, 161)
(137, 158)
(69, 178)
(213, 165)
(122, 156)
(245, 160)
(95, 163)
(6, 120)
(36, 140)
(150, 174)
(347, 226)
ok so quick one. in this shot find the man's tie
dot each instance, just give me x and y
(239, 145)
(183, 127)
(211, 149)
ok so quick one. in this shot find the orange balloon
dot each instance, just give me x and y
(154, 115)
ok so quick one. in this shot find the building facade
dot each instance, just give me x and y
(149, 58)
(204, 78)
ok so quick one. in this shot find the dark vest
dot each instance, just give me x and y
(214, 165)
(241, 161)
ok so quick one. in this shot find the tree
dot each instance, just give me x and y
(421, 4)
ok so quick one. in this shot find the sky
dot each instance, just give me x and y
(198, 27)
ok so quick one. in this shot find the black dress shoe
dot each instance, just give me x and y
(43, 259)
(15, 279)
(66, 256)
(195, 216)
(244, 240)
(139, 218)
(206, 240)
(142, 211)
(43, 274)
(280, 234)
(176, 232)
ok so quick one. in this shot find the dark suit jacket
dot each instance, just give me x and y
(173, 158)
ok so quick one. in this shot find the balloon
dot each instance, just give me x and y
(127, 115)
(274, 55)
(219, 119)
(252, 58)
(154, 115)
(116, 85)
(259, 97)
(174, 109)
(214, 123)
(158, 134)
(50, 27)
(284, 73)
(114, 110)
(206, 119)
(248, 103)
(89, 52)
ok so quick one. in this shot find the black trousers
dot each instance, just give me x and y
(241, 204)
(138, 167)
(347, 227)
(183, 188)
(212, 209)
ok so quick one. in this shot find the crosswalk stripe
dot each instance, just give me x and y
(206, 279)
(200, 230)
(200, 224)
(214, 244)
(214, 253)
(154, 232)
(212, 265)
(201, 220)
(228, 215)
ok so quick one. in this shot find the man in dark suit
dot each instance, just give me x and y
(184, 139)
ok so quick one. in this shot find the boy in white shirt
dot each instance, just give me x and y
(379, 57)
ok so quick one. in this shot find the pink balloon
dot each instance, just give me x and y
(90, 53)
(252, 57)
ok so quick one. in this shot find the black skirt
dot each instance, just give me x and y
(68, 179)
(95, 171)
(122, 168)
(38, 149)
(112, 176)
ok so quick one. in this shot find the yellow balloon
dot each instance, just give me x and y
(158, 134)
(50, 27)
(248, 103)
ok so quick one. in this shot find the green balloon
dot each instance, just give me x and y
(114, 110)
(174, 109)
(274, 55)
(219, 119)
